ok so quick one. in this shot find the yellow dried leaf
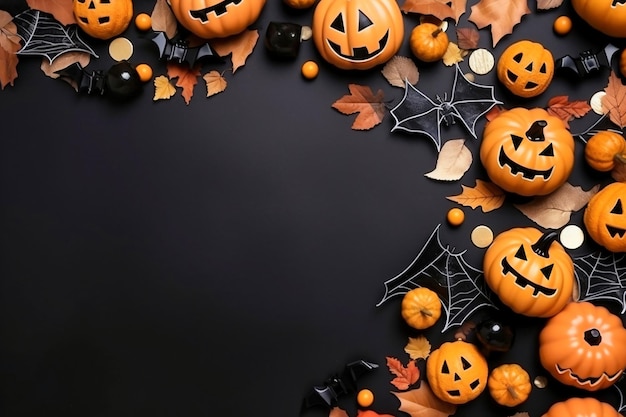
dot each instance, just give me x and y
(163, 89)
(418, 347)
(215, 83)
(453, 54)
(485, 195)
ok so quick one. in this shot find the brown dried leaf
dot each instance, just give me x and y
(453, 161)
(64, 61)
(338, 412)
(467, 38)
(163, 89)
(9, 45)
(453, 54)
(619, 172)
(215, 83)
(502, 16)
(240, 46)
(187, 78)
(441, 9)
(421, 402)
(485, 195)
(62, 10)
(566, 110)
(418, 347)
(163, 19)
(400, 68)
(554, 210)
(494, 112)
(614, 102)
(405, 375)
(548, 4)
(362, 100)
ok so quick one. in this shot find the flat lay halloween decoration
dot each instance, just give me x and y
(526, 68)
(605, 217)
(357, 34)
(530, 271)
(527, 151)
(606, 16)
(581, 407)
(103, 19)
(583, 346)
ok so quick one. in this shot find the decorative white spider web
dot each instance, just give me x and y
(602, 276)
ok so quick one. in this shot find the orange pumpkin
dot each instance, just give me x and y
(529, 271)
(527, 151)
(421, 308)
(526, 68)
(509, 384)
(103, 19)
(582, 407)
(605, 217)
(583, 346)
(602, 149)
(428, 42)
(606, 16)
(357, 34)
(209, 19)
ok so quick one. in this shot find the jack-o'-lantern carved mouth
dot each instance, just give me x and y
(528, 173)
(592, 380)
(618, 3)
(615, 231)
(524, 282)
(219, 9)
(360, 53)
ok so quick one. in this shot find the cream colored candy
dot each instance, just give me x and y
(482, 236)
(596, 102)
(572, 236)
(481, 61)
(121, 49)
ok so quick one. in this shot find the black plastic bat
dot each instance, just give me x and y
(601, 275)
(121, 80)
(417, 113)
(179, 51)
(460, 286)
(587, 62)
(43, 35)
(338, 385)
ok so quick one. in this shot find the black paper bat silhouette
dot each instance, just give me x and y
(601, 275)
(179, 50)
(417, 113)
(460, 286)
(43, 35)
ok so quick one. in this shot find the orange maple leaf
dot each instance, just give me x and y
(187, 77)
(240, 46)
(62, 10)
(566, 110)
(614, 102)
(485, 195)
(501, 15)
(362, 100)
(405, 375)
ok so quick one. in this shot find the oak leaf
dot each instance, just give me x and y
(453, 161)
(240, 47)
(186, 77)
(400, 68)
(485, 195)
(467, 38)
(453, 54)
(554, 210)
(566, 110)
(502, 16)
(614, 102)
(418, 347)
(441, 9)
(619, 171)
(362, 100)
(548, 4)
(9, 45)
(215, 83)
(62, 10)
(405, 376)
(421, 402)
(163, 19)
(163, 89)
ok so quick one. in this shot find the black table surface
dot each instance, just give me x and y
(219, 258)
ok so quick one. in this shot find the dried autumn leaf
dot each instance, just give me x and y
(215, 83)
(62, 10)
(163, 89)
(485, 195)
(554, 210)
(240, 46)
(418, 347)
(337, 412)
(453, 54)
(405, 376)
(9, 45)
(614, 102)
(465, 330)
(453, 161)
(548, 4)
(467, 38)
(163, 19)
(362, 100)
(186, 77)
(619, 171)
(421, 402)
(566, 110)
(64, 61)
(494, 112)
(441, 9)
(502, 16)
(400, 68)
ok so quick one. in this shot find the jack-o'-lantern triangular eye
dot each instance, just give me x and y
(618, 209)
(549, 151)
(547, 271)
(338, 24)
(521, 253)
(364, 21)
(466, 364)
(517, 141)
(444, 368)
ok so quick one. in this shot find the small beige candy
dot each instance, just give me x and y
(305, 33)
(540, 382)
(481, 61)
(482, 236)
(470, 77)
(121, 49)
(596, 102)
(572, 236)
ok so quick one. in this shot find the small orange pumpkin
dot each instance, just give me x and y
(605, 217)
(526, 68)
(509, 384)
(103, 19)
(583, 346)
(582, 407)
(428, 42)
(602, 149)
(421, 308)
(300, 4)
(606, 16)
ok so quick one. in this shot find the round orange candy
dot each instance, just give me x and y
(455, 216)
(143, 21)
(562, 25)
(310, 69)
(365, 398)
(144, 71)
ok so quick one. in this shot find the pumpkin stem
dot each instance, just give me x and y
(593, 337)
(512, 392)
(426, 312)
(620, 158)
(535, 132)
(437, 32)
(542, 246)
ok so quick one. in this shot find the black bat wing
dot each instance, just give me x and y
(177, 51)
(417, 113)
(601, 275)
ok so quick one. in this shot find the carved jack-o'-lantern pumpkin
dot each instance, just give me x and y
(607, 16)
(357, 34)
(103, 19)
(529, 271)
(605, 217)
(526, 68)
(527, 151)
(216, 18)
(583, 346)
(457, 372)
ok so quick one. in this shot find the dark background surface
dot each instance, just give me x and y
(220, 258)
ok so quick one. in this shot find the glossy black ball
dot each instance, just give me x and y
(122, 81)
(495, 335)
